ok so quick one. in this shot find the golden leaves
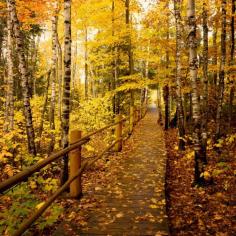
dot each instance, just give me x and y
(120, 215)
(9, 170)
(153, 206)
(38, 206)
(157, 204)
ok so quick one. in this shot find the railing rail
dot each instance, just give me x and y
(74, 146)
(25, 225)
(23, 175)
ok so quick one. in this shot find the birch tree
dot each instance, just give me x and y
(205, 77)
(193, 68)
(24, 77)
(166, 90)
(232, 60)
(180, 112)
(66, 87)
(9, 109)
(222, 69)
(129, 47)
(54, 75)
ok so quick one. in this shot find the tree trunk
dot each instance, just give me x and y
(66, 86)
(180, 111)
(130, 52)
(53, 80)
(9, 112)
(59, 75)
(34, 67)
(222, 70)
(232, 61)
(24, 78)
(86, 62)
(43, 111)
(114, 62)
(190, 108)
(73, 74)
(167, 108)
(199, 157)
(159, 108)
(166, 91)
(205, 78)
(214, 62)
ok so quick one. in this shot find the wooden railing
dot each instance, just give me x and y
(76, 166)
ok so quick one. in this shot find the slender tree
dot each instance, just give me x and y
(215, 56)
(232, 61)
(114, 63)
(59, 76)
(53, 80)
(222, 69)
(40, 130)
(66, 87)
(205, 77)
(9, 109)
(130, 52)
(193, 68)
(24, 77)
(180, 111)
(86, 61)
(166, 90)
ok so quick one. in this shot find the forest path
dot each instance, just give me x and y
(132, 202)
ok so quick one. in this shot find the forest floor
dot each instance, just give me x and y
(209, 210)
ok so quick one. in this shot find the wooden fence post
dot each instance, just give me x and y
(75, 164)
(118, 133)
(131, 120)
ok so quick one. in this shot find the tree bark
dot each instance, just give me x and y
(222, 70)
(180, 111)
(43, 110)
(193, 68)
(66, 86)
(59, 75)
(24, 77)
(9, 111)
(159, 108)
(166, 90)
(53, 80)
(205, 78)
(114, 64)
(86, 61)
(215, 61)
(232, 62)
(130, 52)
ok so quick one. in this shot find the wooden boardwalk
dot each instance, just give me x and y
(133, 202)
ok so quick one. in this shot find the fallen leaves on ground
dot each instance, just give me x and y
(199, 211)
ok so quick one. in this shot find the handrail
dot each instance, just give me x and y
(25, 225)
(39, 165)
(104, 128)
